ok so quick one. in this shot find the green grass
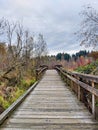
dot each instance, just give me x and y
(4, 103)
(25, 84)
(16, 93)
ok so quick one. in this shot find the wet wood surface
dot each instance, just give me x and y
(51, 106)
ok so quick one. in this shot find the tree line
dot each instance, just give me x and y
(67, 57)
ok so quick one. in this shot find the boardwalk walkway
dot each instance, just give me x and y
(51, 106)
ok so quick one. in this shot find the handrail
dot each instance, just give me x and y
(88, 77)
(81, 84)
(40, 70)
(8, 111)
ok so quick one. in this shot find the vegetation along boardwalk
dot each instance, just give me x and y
(51, 106)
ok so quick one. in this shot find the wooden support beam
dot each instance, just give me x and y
(79, 90)
(71, 84)
(79, 93)
(93, 101)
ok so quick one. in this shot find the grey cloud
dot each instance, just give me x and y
(56, 19)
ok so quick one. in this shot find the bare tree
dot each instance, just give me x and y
(40, 49)
(2, 26)
(88, 33)
(28, 48)
(13, 52)
(19, 40)
(21, 53)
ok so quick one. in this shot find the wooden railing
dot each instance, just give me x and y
(40, 71)
(84, 86)
(9, 111)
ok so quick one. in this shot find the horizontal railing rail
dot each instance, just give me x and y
(82, 88)
(9, 111)
(87, 77)
(40, 71)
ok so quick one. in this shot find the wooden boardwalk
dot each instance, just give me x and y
(51, 106)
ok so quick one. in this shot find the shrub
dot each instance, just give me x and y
(16, 92)
(88, 68)
(15, 95)
(32, 82)
(24, 84)
(5, 104)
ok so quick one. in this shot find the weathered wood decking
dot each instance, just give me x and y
(51, 106)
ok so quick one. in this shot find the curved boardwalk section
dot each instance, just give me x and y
(51, 106)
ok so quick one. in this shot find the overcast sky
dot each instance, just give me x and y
(57, 20)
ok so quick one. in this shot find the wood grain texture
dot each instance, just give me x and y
(51, 106)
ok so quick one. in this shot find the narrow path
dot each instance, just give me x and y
(51, 106)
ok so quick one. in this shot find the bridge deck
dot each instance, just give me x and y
(51, 106)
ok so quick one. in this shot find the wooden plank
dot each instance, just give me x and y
(51, 121)
(66, 113)
(52, 105)
(51, 127)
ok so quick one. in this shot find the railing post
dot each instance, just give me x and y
(67, 80)
(36, 74)
(93, 101)
(71, 84)
(79, 94)
(79, 91)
